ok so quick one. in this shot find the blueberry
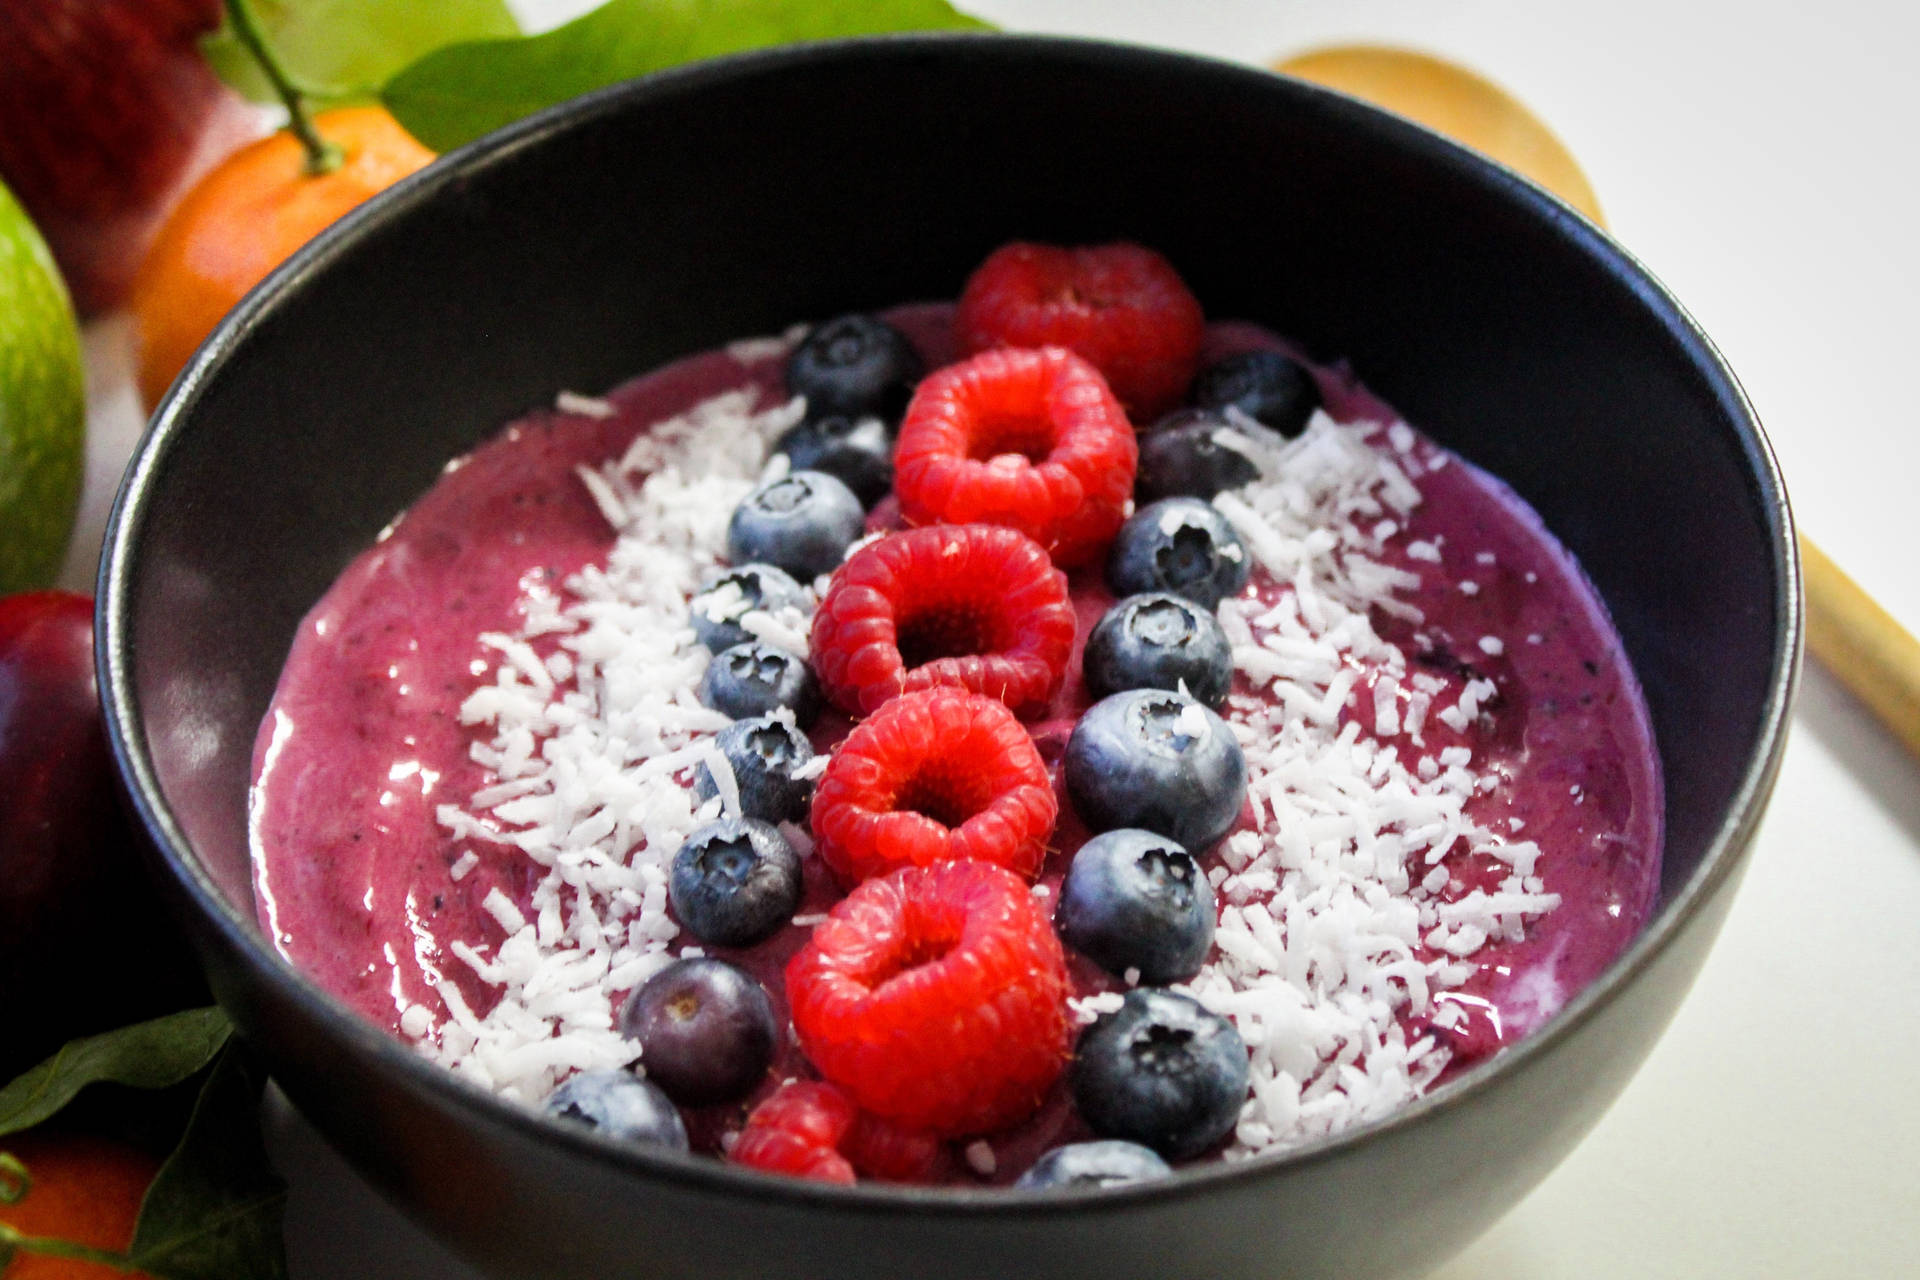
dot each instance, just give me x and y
(1162, 1071)
(734, 882)
(620, 1105)
(765, 753)
(859, 451)
(1265, 385)
(730, 594)
(705, 1028)
(1104, 1163)
(1179, 457)
(803, 523)
(1159, 761)
(1136, 900)
(1158, 641)
(855, 365)
(753, 679)
(1180, 545)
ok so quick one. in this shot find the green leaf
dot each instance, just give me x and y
(213, 1211)
(147, 1055)
(346, 49)
(458, 93)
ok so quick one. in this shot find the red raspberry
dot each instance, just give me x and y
(975, 606)
(1028, 439)
(813, 1130)
(932, 776)
(936, 997)
(1121, 306)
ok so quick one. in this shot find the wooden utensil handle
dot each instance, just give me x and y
(1862, 645)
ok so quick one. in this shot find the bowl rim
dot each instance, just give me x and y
(700, 1174)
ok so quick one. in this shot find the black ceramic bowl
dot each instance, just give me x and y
(669, 215)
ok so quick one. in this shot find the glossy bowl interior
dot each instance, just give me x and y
(733, 198)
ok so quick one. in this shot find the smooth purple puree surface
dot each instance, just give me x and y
(364, 741)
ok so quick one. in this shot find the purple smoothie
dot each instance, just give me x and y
(363, 742)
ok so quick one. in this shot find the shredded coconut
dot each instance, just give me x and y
(1330, 899)
(591, 759)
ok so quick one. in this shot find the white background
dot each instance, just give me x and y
(1761, 160)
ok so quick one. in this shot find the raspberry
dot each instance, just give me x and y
(932, 776)
(936, 997)
(1028, 439)
(813, 1130)
(1121, 306)
(975, 606)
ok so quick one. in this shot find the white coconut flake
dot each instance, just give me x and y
(586, 406)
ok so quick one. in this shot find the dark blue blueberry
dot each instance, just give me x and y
(857, 450)
(765, 753)
(1180, 458)
(803, 523)
(731, 594)
(855, 365)
(621, 1106)
(1158, 641)
(1265, 385)
(1158, 761)
(1136, 900)
(705, 1030)
(1182, 546)
(1162, 1071)
(734, 882)
(753, 679)
(1104, 1163)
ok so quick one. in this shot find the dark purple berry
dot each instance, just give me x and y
(803, 522)
(1180, 457)
(755, 679)
(765, 753)
(620, 1105)
(1136, 900)
(1159, 641)
(1158, 761)
(1267, 386)
(731, 594)
(1182, 546)
(705, 1028)
(856, 365)
(1163, 1071)
(859, 451)
(1107, 1162)
(734, 882)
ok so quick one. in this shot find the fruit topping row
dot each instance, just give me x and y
(932, 1000)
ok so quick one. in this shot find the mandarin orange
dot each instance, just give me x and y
(244, 219)
(85, 1190)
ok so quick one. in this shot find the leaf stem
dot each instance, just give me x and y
(322, 156)
(11, 1240)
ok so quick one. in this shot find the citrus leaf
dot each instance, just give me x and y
(458, 93)
(213, 1211)
(347, 48)
(146, 1055)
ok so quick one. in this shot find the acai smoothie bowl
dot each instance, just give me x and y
(825, 692)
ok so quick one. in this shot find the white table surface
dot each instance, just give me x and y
(1761, 160)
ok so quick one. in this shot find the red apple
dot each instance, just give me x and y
(107, 112)
(84, 944)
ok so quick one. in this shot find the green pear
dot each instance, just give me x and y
(42, 407)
